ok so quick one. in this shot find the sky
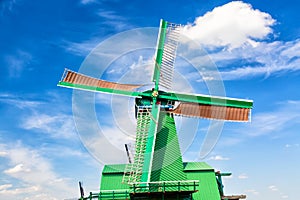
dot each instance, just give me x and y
(52, 137)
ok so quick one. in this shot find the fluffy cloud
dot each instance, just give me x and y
(277, 58)
(218, 157)
(286, 115)
(16, 169)
(58, 126)
(233, 24)
(242, 176)
(235, 35)
(5, 186)
(273, 188)
(270, 124)
(7, 6)
(34, 174)
(84, 2)
(18, 62)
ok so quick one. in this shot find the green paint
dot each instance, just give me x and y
(203, 99)
(162, 157)
(208, 187)
(219, 181)
(159, 53)
(104, 90)
(148, 157)
(209, 100)
(167, 155)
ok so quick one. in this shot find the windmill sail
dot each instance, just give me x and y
(212, 112)
(166, 53)
(210, 107)
(79, 81)
(169, 54)
(76, 78)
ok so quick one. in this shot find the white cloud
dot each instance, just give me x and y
(3, 153)
(34, 174)
(286, 114)
(277, 58)
(115, 46)
(109, 21)
(218, 157)
(292, 145)
(113, 20)
(17, 191)
(272, 124)
(273, 188)
(16, 169)
(253, 191)
(141, 70)
(291, 49)
(82, 48)
(45, 116)
(7, 6)
(110, 15)
(243, 176)
(84, 2)
(5, 186)
(277, 192)
(58, 126)
(233, 24)
(109, 131)
(235, 36)
(17, 63)
(18, 101)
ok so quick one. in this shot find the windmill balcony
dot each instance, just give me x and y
(151, 190)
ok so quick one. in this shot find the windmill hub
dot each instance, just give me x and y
(155, 93)
(147, 101)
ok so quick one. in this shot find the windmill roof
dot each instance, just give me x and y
(115, 168)
(188, 166)
(197, 166)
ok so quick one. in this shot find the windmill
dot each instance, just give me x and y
(157, 170)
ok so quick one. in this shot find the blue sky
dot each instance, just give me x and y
(255, 46)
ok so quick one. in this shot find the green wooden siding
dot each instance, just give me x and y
(112, 181)
(197, 166)
(208, 187)
(112, 177)
(167, 165)
(116, 168)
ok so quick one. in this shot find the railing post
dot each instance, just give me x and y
(91, 194)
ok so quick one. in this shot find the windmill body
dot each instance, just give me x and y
(157, 170)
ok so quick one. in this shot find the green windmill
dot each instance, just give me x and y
(157, 170)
